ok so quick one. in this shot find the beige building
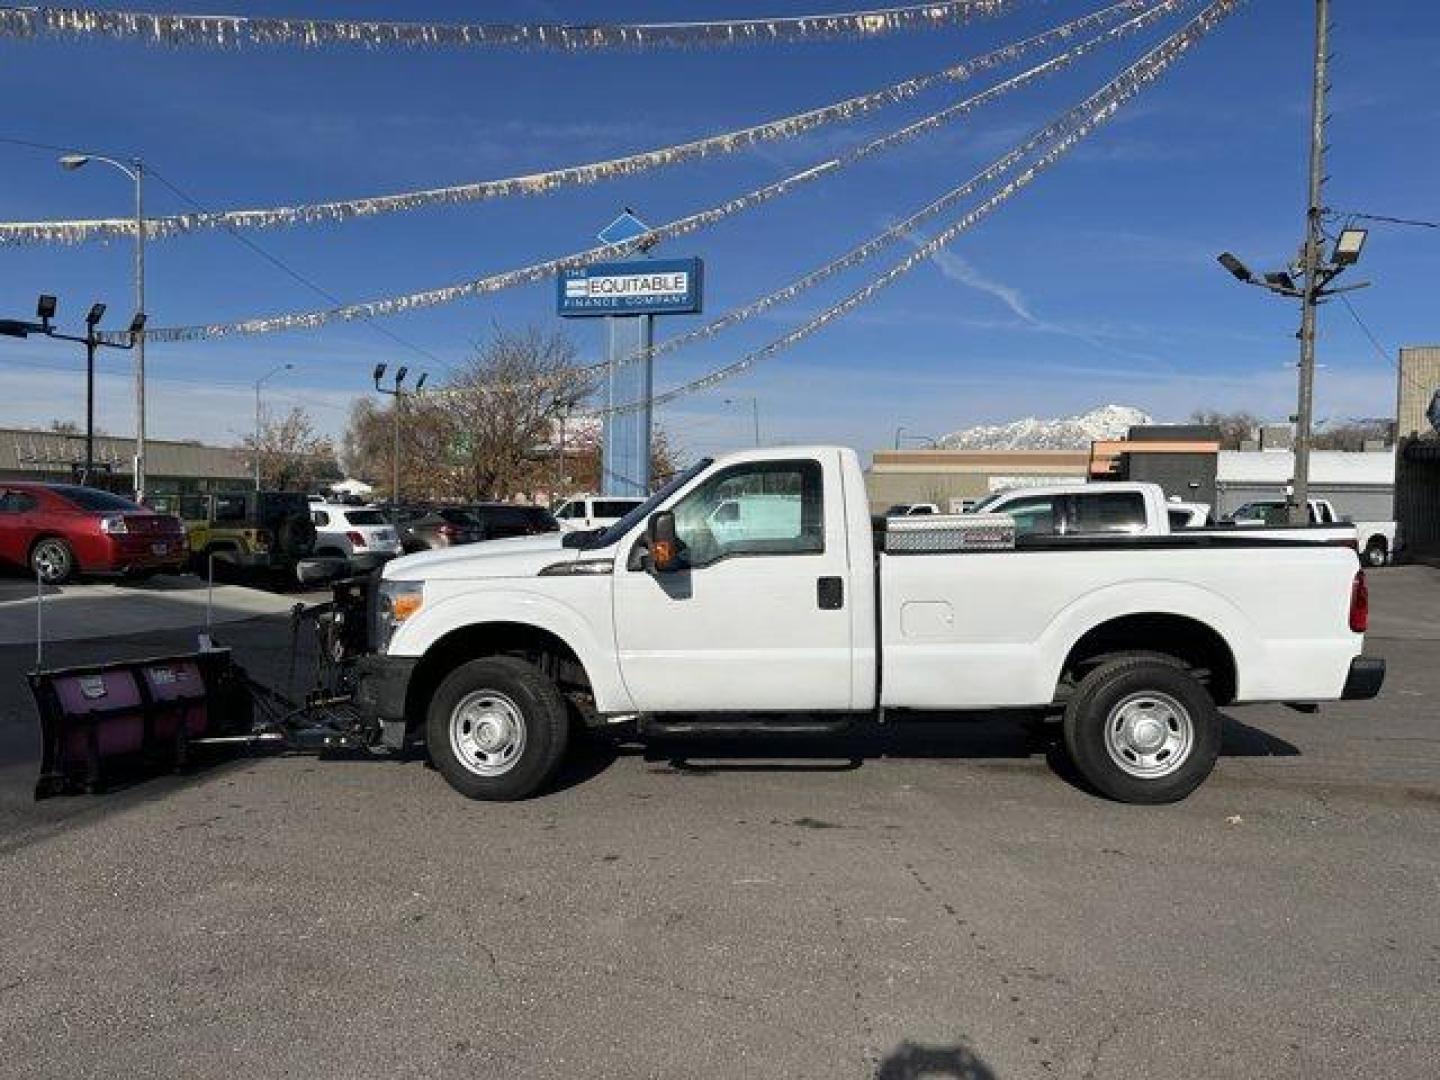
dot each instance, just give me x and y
(943, 476)
(1417, 460)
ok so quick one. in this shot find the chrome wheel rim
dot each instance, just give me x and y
(1149, 735)
(51, 560)
(487, 732)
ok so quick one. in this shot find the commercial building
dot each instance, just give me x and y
(947, 477)
(1181, 458)
(171, 467)
(1417, 459)
(1360, 485)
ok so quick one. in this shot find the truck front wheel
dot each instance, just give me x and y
(1142, 730)
(497, 729)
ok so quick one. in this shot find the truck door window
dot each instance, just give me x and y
(230, 508)
(1033, 516)
(759, 508)
(1109, 512)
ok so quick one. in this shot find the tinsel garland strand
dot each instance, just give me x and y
(235, 31)
(82, 230)
(682, 226)
(1145, 71)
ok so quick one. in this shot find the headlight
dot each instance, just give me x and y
(397, 601)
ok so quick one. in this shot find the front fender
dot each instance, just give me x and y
(591, 639)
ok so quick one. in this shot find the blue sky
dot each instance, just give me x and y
(1097, 284)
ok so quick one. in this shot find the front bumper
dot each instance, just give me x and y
(382, 688)
(1365, 678)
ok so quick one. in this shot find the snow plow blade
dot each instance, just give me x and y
(98, 721)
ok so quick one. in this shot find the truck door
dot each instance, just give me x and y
(757, 618)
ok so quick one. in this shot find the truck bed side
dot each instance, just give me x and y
(995, 629)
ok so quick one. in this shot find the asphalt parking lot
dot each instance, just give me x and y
(937, 903)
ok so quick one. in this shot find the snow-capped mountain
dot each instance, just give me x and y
(1066, 433)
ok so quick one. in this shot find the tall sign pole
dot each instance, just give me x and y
(628, 295)
(1312, 259)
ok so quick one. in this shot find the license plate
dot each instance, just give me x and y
(160, 549)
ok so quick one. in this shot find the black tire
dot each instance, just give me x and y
(1102, 715)
(505, 690)
(1375, 553)
(52, 560)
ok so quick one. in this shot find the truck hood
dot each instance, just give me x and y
(521, 556)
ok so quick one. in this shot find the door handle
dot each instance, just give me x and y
(830, 593)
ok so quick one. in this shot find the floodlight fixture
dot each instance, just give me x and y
(379, 373)
(45, 307)
(420, 383)
(14, 328)
(97, 312)
(137, 324)
(1236, 267)
(1349, 246)
(400, 376)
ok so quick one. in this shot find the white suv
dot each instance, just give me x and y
(358, 534)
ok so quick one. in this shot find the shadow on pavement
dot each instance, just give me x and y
(914, 1061)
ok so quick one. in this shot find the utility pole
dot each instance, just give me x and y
(1314, 246)
(1308, 278)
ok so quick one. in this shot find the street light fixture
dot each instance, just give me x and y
(45, 309)
(1307, 280)
(398, 393)
(135, 171)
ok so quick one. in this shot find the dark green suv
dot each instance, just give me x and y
(255, 532)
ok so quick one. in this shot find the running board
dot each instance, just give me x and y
(742, 726)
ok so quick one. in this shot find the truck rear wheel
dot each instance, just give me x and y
(1376, 553)
(497, 729)
(1142, 730)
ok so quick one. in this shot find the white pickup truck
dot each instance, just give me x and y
(1374, 540)
(486, 652)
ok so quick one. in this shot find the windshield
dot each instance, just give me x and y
(988, 501)
(612, 534)
(365, 517)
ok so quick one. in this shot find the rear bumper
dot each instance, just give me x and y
(382, 687)
(1365, 678)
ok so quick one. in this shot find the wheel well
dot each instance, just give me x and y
(47, 536)
(1378, 540)
(545, 650)
(1196, 645)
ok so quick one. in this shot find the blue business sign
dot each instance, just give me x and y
(646, 287)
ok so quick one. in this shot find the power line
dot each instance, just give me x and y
(296, 276)
(1352, 215)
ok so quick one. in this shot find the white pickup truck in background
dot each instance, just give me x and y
(1375, 540)
(804, 607)
(1137, 508)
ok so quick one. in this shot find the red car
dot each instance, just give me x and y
(59, 530)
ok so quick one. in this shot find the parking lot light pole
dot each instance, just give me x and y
(398, 393)
(258, 384)
(754, 412)
(136, 172)
(45, 310)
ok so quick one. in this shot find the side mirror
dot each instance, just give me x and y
(664, 547)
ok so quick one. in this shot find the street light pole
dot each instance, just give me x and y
(136, 172)
(1308, 278)
(754, 412)
(1314, 244)
(398, 393)
(258, 384)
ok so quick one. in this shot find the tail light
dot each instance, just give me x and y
(449, 532)
(1359, 604)
(355, 538)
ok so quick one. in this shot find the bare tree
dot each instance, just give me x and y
(293, 455)
(504, 407)
(1235, 427)
(1354, 434)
